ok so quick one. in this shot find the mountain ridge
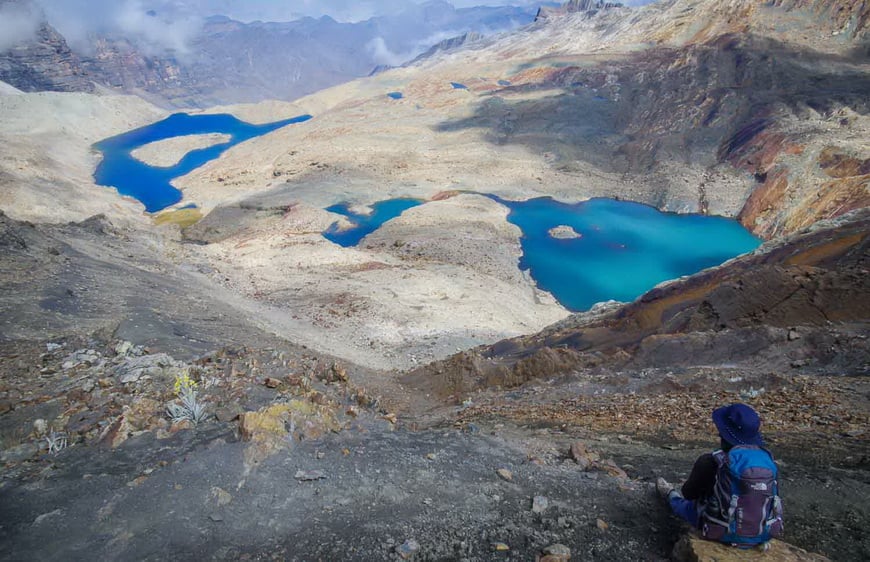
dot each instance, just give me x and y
(235, 62)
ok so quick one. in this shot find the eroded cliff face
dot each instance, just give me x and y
(848, 17)
(576, 6)
(44, 63)
(119, 64)
(802, 182)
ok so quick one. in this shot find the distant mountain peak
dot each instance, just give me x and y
(576, 6)
(448, 45)
(42, 61)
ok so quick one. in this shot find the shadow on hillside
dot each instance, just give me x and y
(682, 105)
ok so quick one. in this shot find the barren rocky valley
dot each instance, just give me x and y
(418, 393)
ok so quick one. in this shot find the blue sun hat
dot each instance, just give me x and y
(738, 424)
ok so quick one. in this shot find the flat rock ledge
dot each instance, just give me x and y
(692, 548)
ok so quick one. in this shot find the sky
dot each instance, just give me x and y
(103, 11)
(170, 24)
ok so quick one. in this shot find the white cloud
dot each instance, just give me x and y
(18, 23)
(154, 25)
(381, 54)
(168, 27)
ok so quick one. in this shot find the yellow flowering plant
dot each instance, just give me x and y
(190, 408)
(183, 383)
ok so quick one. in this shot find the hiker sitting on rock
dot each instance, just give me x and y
(732, 495)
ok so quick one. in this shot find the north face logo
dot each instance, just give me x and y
(759, 487)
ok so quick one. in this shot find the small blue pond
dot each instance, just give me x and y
(623, 249)
(395, 95)
(458, 86)
(504, 83)
(150, 184)
(363, 225)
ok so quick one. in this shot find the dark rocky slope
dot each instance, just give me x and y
(740, 313)
(295, 459)
(91, 277)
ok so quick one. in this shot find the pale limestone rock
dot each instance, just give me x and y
(459, 282)
(40, 427)
(169, 152)
(134, 368)
(564, 233)
(540, 504)
(556, 553)
(221, 496)
(408, 549)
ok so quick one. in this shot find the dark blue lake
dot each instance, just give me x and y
(363, 225)
(150, 184)
(622, 249)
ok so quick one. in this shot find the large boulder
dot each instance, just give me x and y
(692, 548)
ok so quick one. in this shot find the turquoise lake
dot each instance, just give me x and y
(624, 248)
(151, 184)
(365, 224)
